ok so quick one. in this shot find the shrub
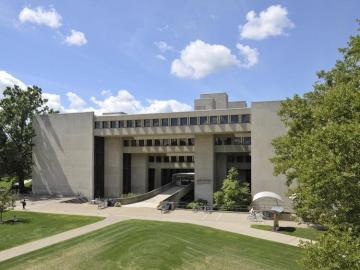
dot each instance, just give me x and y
(117, 204)
(197, 204)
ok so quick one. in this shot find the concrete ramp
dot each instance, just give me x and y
(154, 201)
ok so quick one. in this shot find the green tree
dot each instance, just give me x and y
(17, 108)
(233, 193)
(320, 156)
(7, 201)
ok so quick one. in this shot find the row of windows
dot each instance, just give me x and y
(182, 121)
(239, 159)
(233, 141)
(172, 159)
(160, 142)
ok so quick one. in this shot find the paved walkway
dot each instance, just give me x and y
(232, 222)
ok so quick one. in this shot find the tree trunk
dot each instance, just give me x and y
(21, 182)
(1, 217)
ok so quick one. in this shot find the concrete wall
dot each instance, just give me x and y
(266, 125)
(113, 171)
(139, 173)
(220, 170)
(204, 167)
(63, 154)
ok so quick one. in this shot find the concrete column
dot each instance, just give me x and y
(157, 177)
(220, 170)
(204, 167)
(113, 166)
(139, 173)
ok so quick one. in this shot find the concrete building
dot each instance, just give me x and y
(117, 153)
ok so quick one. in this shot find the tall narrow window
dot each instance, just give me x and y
(174, 142)
(234, 119)
(183, 121)
(129, 123)
(112, 124)
(213, 120)
(245, 118)
(105, 124)
(157, 142)
(121, 124)
(141, 143)
(224, 119)
(174, 121)
(97, 124)
(137, 123)
(148, 142)
(193, 121)
(155, 122)
(133, 142)
(164, 122)
(203, 120)
(147, 123)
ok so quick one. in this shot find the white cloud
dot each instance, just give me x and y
(6, 79)
(76, 38)
(270, 22)
(106, 93)
(160, 57)
(76, 102)
(54, 101)
(250, 55)
(49, 17)
(200, 59)
(158, 106)
(163, 46)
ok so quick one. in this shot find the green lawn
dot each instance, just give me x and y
(136, 244)
(308, 233)
(32, 226)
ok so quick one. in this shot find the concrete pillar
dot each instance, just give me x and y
(220, 170)
(113, 166)
(157, 177)
(204, 167)
(139, 173)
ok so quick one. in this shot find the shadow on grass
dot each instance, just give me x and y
(16, 221)
(287, 229)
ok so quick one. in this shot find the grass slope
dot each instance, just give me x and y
(308, 233)
(32, 226)
(136, 244)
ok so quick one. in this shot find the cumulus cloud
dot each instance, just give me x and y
(76, 38)
(270, 22)
(40, 16)
(200, 59)
(6, 79)
(159, 106)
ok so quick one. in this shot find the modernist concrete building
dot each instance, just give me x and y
(117, 153)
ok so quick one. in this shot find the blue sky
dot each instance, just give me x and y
(163, 54)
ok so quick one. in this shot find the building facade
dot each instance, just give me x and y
(117, 153)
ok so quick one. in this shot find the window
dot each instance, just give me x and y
(97, 124)
(181, 159)
(203, 120)
(234, 119)
(245, 118)
(248, 159)
(157, 142)
(191, 141)
(121, 124)
(213, 120)
(164, 122)
(141, 143)
(133, 142)
(247, 140)
(239, 159)
(183, 121)
(173, 159)
(166, 142)
(174, 121)
(129, 123)
(193, 121)
(189, 159)
(218, 141)
(147, 123)
(126, 143)
(137, 123)
(113, 124)
(224, 119)
(237, 141)
(148, 142)
(158, 159)
(182, 142)
(166, 159)
(230, 159)
(174, 142)
(155, 122)
(151, 159)
(105, 124)
(227, 141)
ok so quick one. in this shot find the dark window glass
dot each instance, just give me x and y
(148, 142)
(191, 141)
(247, 140)
(137, 123)
(105, 124)
(224, 119)
(151, 159)
(157, 142)
(218, 141)
(113, 124)
(247, 159)
(193, 121)
(237, 141)
(155, 122)
(189, 159)
(203, 120)
(182, 142)
(174, 121)
(129, 123)
(174, 142)
(166, 142)
(173, 158)
(245, 118)
(230, 159)
(181, 159)
(213, 120)
(121, 124)
(164, 122)
(97, 124)
(133, 142)
(234, 119)
(239, 159)
(126, 142)
(141, 143)
(158, 159)
(166, 159)
(228, 141)
(183, 121)
(147, 123)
